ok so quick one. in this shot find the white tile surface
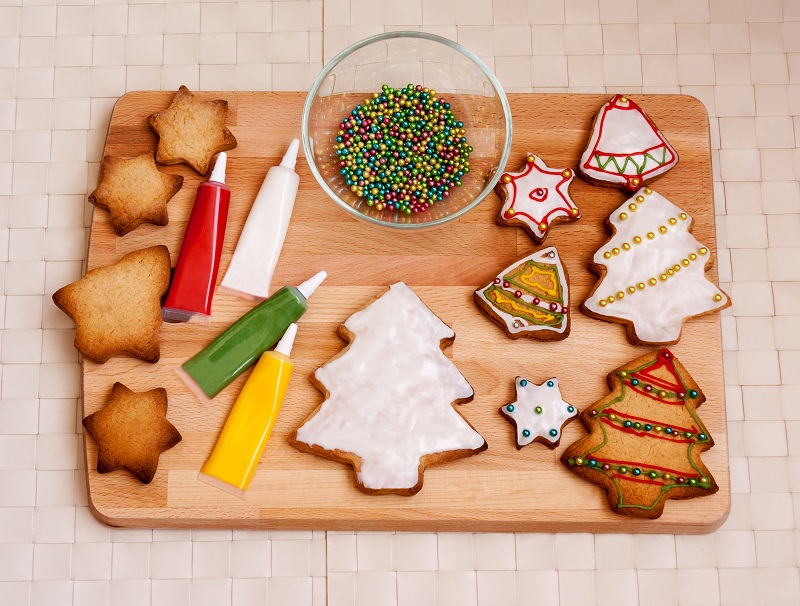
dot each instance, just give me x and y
(61, 66)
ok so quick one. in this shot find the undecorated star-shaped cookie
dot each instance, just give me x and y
(117, 308)
(134, 191)
(132, 431)
(539, 413)
(192, 131)
(536, 198)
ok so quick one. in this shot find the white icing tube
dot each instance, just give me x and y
(256, 255)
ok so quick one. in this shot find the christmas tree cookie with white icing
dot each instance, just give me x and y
(645, 438)
(536, 198)
(652, 272)
(625, 148)
(530, 298)
(389, 397)
(539, 413)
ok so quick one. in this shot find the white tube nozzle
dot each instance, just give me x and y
(218, 174)
(284, 346)
(290, 157)
(308, 287)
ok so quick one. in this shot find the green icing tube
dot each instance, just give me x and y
(231, 353)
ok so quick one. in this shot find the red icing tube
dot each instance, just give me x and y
(192, 287)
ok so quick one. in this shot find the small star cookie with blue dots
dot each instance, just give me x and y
(539, 413)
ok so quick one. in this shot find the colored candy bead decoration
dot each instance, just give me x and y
(536, 198)
(656, 283)
(640, 484)
(537, 412)
(403, 149)
(529, 298)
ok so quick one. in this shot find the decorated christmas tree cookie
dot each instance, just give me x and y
(652, 272)
(625, 148)
(536, 198)
(645, 438)
(389, 397)
(530, 298)
(539, 414)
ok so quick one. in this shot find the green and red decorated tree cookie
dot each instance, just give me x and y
(645, 438)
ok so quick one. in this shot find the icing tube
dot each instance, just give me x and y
(192, 287)
(235, 457)
(253, 262)
(231, 353)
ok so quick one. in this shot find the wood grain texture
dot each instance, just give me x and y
(501, 489)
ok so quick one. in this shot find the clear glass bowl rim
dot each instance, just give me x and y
(312, 93)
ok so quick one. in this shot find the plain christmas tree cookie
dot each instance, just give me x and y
(132, 431)
(652, 272)
(645, 438)
(191, 131)
(117, 308)
(389, 408)
(536, 198)
(134, 191)
(529, 298)
(625, 148)
(539, 414)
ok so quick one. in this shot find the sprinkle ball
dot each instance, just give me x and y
(402, 149)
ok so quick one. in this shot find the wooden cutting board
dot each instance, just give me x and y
(501, 489)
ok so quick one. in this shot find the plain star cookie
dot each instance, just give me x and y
(625, 148)
(132, 431)
(652, 272)
(191, 131)
(530, 298)
(134, 191)
(539, 413)
(389, 408)
(536, 198)
(645, 438)
(117, 308)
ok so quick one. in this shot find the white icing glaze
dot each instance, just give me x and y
(655, 311)
(516, 324)
(537, 195)
(555, 411)
(623, 133)
(391, 393)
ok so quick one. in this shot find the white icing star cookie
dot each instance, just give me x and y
(539, 413)
(536, 198)
(625, 148)
(652, 272)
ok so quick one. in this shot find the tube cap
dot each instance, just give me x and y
(308, 287)
(284, 346)
(290, 157)
(218, 174)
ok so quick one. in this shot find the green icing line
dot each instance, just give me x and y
(518, 314)
(639, 169)
(512, 279)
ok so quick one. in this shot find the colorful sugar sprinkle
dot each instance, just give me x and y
(402, 149)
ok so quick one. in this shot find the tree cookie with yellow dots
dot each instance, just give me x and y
(652, 272)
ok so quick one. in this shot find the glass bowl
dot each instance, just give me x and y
(398, 59)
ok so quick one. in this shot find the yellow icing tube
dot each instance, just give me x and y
(238, 450)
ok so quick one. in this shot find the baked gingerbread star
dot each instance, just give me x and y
(117, 308)
(134, 191)
(191, 131)
(132, 431)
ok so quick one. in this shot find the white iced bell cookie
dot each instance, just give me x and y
(537, 197)
(538, 412)
(391, 395)
(625, 148)
(654, 274)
